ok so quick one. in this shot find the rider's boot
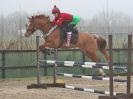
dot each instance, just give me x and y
(68, 39)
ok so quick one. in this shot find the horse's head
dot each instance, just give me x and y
(30, 27)
(37, 22)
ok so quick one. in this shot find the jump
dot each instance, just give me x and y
(86, 42)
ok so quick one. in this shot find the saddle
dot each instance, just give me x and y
(74, 37)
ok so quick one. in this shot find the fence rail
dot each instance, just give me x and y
(4, 66)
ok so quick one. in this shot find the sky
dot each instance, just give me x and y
(83, 8)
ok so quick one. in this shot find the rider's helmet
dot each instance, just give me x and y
(55, 9)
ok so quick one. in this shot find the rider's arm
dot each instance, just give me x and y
(54, 22)
(60, 21)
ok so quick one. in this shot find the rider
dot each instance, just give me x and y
(70, 20)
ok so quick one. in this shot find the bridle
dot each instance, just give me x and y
(45, 35)
(31, 30)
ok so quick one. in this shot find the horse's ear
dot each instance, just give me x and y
(48, 17)
(32, 17)
(29, 18)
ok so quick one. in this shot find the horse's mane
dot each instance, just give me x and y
(41, 16)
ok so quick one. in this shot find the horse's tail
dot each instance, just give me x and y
(101, 43)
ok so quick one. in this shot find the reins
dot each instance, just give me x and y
(50, 32)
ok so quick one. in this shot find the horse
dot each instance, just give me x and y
(87, 43)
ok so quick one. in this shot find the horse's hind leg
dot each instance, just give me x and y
(105, 53)
(91, 55)
(94, 58)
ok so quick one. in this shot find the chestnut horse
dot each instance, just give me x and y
(87, 42)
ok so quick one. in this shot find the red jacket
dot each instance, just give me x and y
(61, 18)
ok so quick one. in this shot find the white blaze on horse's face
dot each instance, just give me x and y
(28, 24)
(30, 29)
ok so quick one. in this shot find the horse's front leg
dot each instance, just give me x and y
(43, 46)
(46, 48)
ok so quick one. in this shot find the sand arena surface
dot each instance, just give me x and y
(17, 89)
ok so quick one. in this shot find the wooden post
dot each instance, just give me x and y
(45, 67)
(111, 65)
(3, 65)
(37, 56)
(129, 64)
(38, 85)
(55, 58)
(83, 60)
(129, 95)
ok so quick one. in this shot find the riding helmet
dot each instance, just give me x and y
(55, 9)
